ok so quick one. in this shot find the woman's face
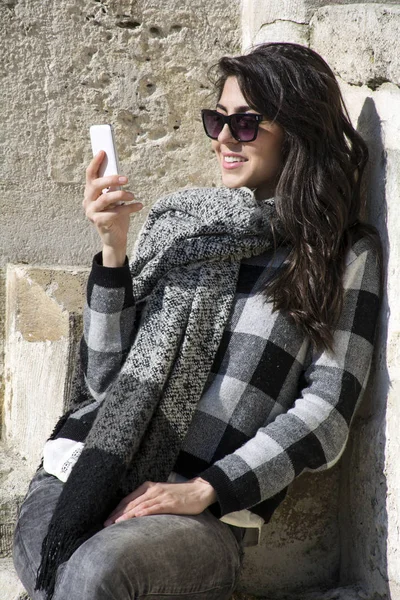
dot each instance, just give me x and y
(260, 160)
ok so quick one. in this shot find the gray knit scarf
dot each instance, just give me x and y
(186, 267)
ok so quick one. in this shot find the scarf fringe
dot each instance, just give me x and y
(79, 514)
(57, 548)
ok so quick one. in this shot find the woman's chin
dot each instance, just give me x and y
(233, 182)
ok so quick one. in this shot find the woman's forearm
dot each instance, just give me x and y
(114, 257)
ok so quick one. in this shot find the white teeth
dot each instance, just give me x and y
(231, 159)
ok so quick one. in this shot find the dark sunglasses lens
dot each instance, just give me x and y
(213, 123)
(244, 127)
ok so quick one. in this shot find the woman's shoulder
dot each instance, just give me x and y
(364, 264)
(364, 243)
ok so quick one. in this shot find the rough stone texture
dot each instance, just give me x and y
(43, 318)
(10, 587)
(14, 477)
(300, 546)
(43, 326)
(2, 326)
(256, 14)
(297, 33)
(66, 65)
(360, 41)
(370, 485)
(341, 20)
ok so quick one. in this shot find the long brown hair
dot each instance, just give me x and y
(318, 197)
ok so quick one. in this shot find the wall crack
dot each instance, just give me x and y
(284, 21)
(373, 84)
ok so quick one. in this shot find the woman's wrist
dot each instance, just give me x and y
(208, 493)
(113, 257)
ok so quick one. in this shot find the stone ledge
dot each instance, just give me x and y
(357, 41)
(14, 479)
(10, 586)
(43, 327)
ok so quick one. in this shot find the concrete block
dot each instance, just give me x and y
(359, 41)
(43, 326)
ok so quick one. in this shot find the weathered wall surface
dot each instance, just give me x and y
(366, 58)
(300, 547)
(286, 20)
(140, 65)
(43, 324)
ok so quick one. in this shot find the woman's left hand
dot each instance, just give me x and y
(189, 498)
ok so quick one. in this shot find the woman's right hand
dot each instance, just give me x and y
(111, 221)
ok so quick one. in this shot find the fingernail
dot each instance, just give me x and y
(122, 179)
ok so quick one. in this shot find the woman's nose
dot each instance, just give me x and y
(226, 135)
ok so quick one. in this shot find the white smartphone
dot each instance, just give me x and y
(102, 138)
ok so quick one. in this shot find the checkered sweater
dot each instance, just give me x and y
(273, 406)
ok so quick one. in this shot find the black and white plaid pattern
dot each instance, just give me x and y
(272, 407)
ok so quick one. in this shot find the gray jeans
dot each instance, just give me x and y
(154, 557)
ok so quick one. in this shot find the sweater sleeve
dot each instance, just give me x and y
(312, 434)
(108, 324)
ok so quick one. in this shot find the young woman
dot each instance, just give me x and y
(226, 360)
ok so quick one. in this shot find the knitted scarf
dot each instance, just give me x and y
(186, 266)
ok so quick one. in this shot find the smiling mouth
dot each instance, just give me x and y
(232, 162)
(232, 159)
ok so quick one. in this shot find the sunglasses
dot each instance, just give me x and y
(243, 126)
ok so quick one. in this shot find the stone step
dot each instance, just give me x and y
(14, 480)
(10, 587)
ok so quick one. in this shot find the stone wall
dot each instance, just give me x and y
(141, 65)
